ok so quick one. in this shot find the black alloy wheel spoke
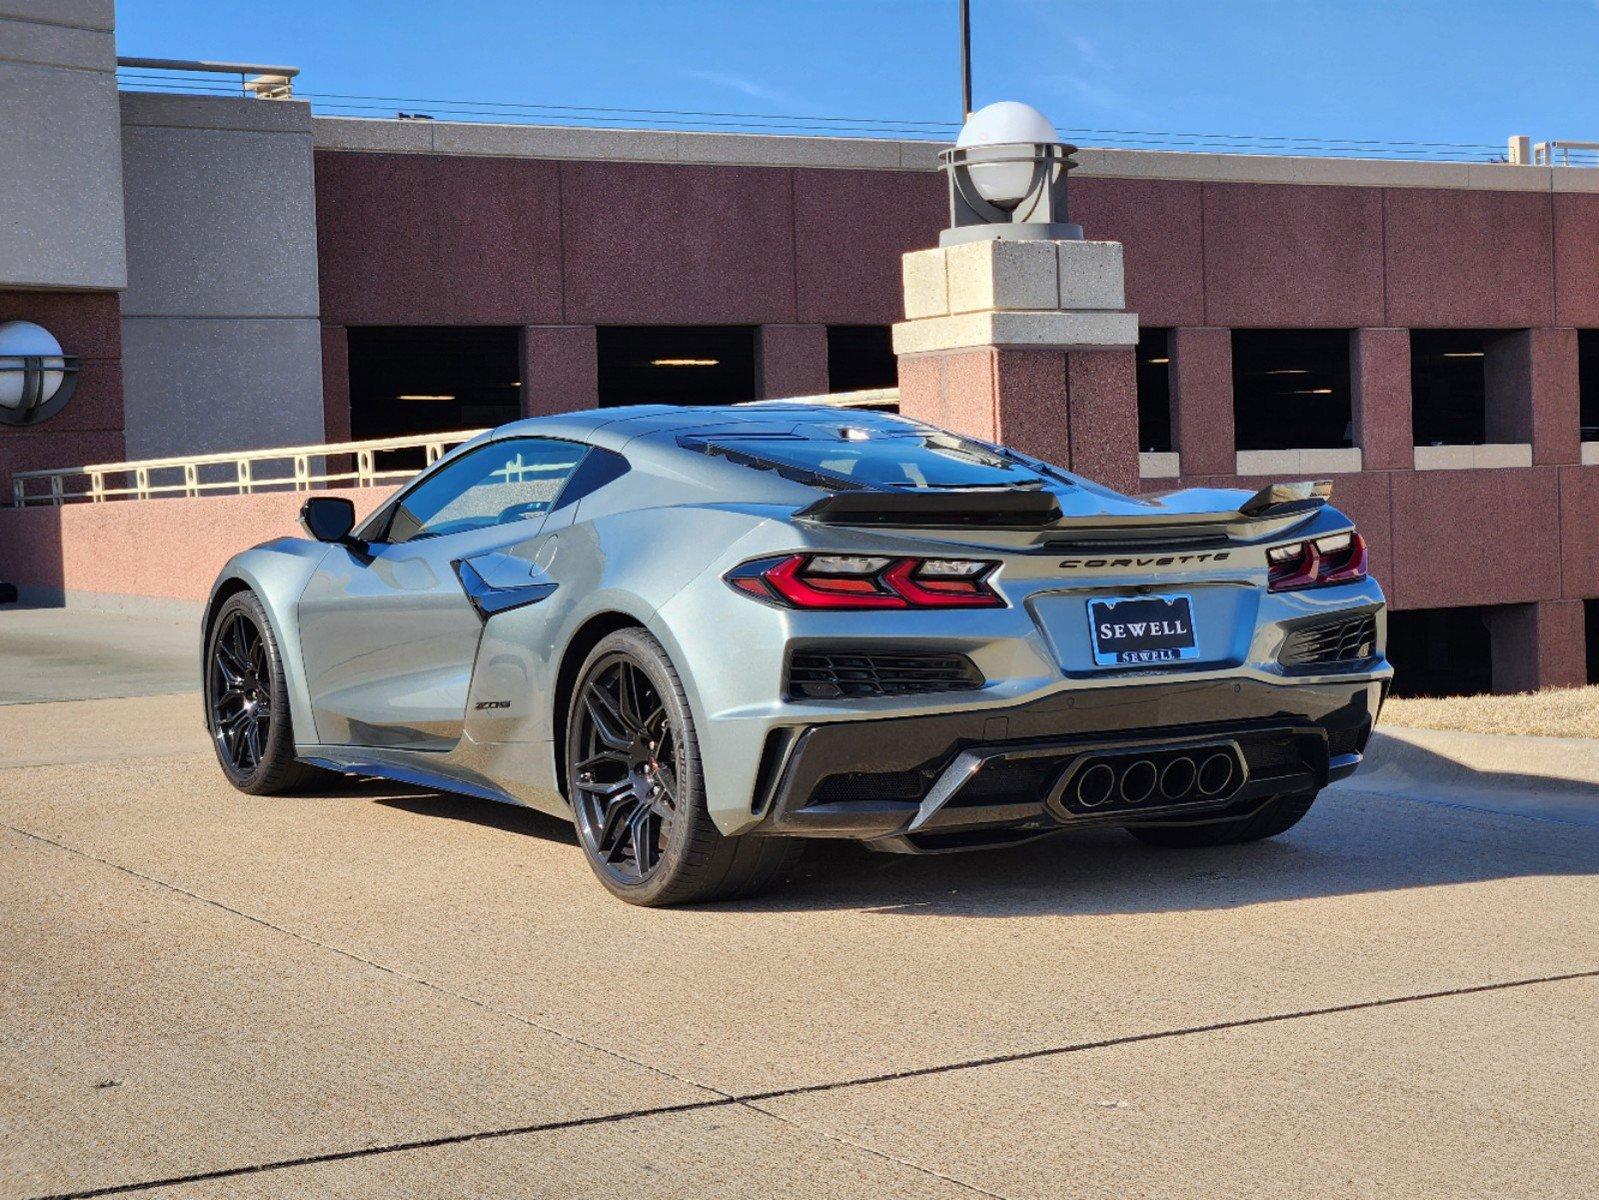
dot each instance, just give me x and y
(241, 693)
(608, 721)
(627, 697)
(641, 829)
(624, 782)
(613, 823)
(595, 761)
(229, 663)
(666, 781)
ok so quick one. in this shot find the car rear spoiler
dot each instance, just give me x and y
(945, 508)
(1277, 505)
(1285, 499)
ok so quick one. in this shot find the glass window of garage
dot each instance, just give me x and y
(495, 484)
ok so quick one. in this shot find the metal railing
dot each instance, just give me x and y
(237, 473)
(297, 468)
(1559, 153)
(196, 76)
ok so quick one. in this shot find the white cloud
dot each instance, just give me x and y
(1105, 100)
(742, 85)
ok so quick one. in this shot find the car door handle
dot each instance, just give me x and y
(497, 582)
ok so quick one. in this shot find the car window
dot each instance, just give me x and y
(920, 461)
(495, 484)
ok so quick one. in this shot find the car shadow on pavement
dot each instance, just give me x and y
(507, 817)
(1350, 843)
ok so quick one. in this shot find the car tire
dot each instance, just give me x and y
(651, 847)
(1280, 814)
(247, 703)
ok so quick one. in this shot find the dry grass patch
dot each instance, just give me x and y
(1563, 712)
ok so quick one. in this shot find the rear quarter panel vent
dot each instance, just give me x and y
(831, 673)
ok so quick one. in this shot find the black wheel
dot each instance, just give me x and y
(247, 702)
(1280, 814)
(637, 792)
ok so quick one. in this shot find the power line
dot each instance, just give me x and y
(356, 104)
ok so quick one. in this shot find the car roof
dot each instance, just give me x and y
(614, 428)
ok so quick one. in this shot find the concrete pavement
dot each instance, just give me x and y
(70, 653)
(379, 992)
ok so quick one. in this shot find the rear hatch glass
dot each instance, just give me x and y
(876, 460)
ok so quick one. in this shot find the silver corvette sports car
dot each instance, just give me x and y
(704, 634)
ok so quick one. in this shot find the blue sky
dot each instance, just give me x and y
(1470, 72)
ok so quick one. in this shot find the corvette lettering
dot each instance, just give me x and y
(1164, 560)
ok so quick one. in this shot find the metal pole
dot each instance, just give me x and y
(966, 58)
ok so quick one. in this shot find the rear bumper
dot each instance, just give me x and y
(964, 780)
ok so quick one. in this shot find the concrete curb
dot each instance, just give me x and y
(155, 607)
(1554, 779)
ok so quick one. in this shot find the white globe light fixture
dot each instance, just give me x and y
(1007, 178)
(36, 378)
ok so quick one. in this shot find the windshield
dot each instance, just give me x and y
(875, 460)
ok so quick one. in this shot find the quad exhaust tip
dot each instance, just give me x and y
(1095, 785)
(1215, 773)
(1177, 780)
(1138, 781)
(1169, 778)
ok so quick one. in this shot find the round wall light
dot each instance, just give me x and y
(999, 140)
(1007, 177)
(36, 378)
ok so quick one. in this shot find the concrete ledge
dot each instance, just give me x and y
(1045, 330)
(1548, 778)
(386, 135)
(1590, 454)
(1153, 465)
(56, 44)
(522, 141)
(215, 112)
(372, 135)
(1461, 458)
(787, 150)
(755, 150)
(1299, 462)
(79, 14)
(106, 602)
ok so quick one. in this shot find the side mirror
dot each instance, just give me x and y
(328, 518)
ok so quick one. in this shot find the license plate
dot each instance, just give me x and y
(1142, 630)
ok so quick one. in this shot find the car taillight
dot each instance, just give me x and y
(849, 581)
(1337, 558)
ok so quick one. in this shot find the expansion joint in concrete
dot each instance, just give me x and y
(715, 1097)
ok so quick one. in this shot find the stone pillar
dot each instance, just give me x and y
(1026, 343)
(791, 360)
(1531, 382)
(1538, 645)
(336, 397)
(560, 369)
(1379, 369)
(1202, 401)
(335, 383)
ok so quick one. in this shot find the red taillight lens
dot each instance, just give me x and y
(827, 581)
(1338, 558)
